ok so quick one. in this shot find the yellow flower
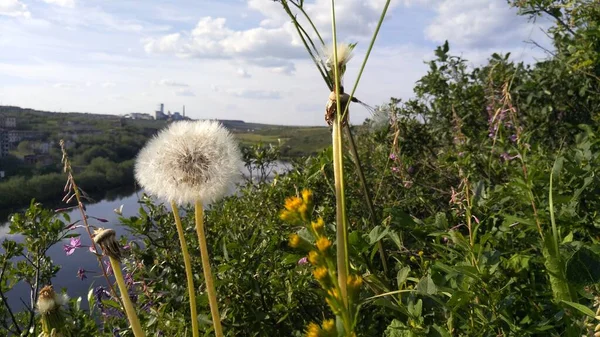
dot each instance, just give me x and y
(323, 244)
(313, 258)
(313, 330)
(421, 253)
(321, 274)
(318, 226)
(292, 204)
(354, 281)
(307, 196)
(295, 240)
(329, 325)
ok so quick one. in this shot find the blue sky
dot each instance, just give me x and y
(232, 59)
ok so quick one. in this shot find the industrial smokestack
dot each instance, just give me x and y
(184, 111)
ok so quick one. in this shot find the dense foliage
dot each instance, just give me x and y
(486, 194)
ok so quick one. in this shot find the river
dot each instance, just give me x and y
(82, 258)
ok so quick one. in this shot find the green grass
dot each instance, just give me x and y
(294, 141)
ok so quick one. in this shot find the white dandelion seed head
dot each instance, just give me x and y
(189, 161)
(344, 54)
(48, 300)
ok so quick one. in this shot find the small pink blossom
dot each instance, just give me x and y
(303, 261)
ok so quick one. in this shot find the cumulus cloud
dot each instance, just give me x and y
(184, 92)
(61, 3)
(478, 24)
(14, 8)
(171, 83)
(273, 42)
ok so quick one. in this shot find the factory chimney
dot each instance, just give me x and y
(184, 111)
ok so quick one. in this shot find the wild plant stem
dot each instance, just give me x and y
(310, 21)
(338, 169)
(365, 188)
(129, 310)
(371, 44)
(210, 286)
(188, 271)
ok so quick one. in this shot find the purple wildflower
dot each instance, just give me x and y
(395, 169)
(411, 170)
(393, 156)
(108, 267)
(303, 261)
(513, 138)
(81, 273)
(507, 157)
(128, 279)
(99, 294)
(74, 244)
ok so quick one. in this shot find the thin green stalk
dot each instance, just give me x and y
(362, 67)
(129, 310)
(188, 271)
(301, 8)
(299, 29)
(208, 278)
(551, 205)
(338, 167)
(363, 183)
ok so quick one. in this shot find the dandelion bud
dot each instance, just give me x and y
(323, 244)
(106, 238)
(49, 306)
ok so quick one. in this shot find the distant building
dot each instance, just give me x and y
(160, 113)
(10, 122)
(4, 144)
(15, 136)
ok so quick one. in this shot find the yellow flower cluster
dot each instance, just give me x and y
(297, 208)
(297, 211)
(327, 329)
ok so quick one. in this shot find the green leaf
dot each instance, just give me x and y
(580, 307)
(402, 275)
(377, 234)
(583, 268)
(426, 286)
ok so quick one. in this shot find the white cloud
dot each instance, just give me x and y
(184, 92)
(14, 8)
(61, 3)
(242, 72)
(478, 24)
(108, 85)
(274, 43)
(64, 85)
(258, 94)
(171, 83)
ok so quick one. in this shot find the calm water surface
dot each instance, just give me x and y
(82, 258)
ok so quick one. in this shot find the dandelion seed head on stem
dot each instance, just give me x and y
(189, 161)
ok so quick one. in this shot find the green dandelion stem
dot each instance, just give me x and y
(188, 271)
(338, 157)
(129, 310)
(210, 286)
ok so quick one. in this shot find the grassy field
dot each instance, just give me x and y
(294, 141)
